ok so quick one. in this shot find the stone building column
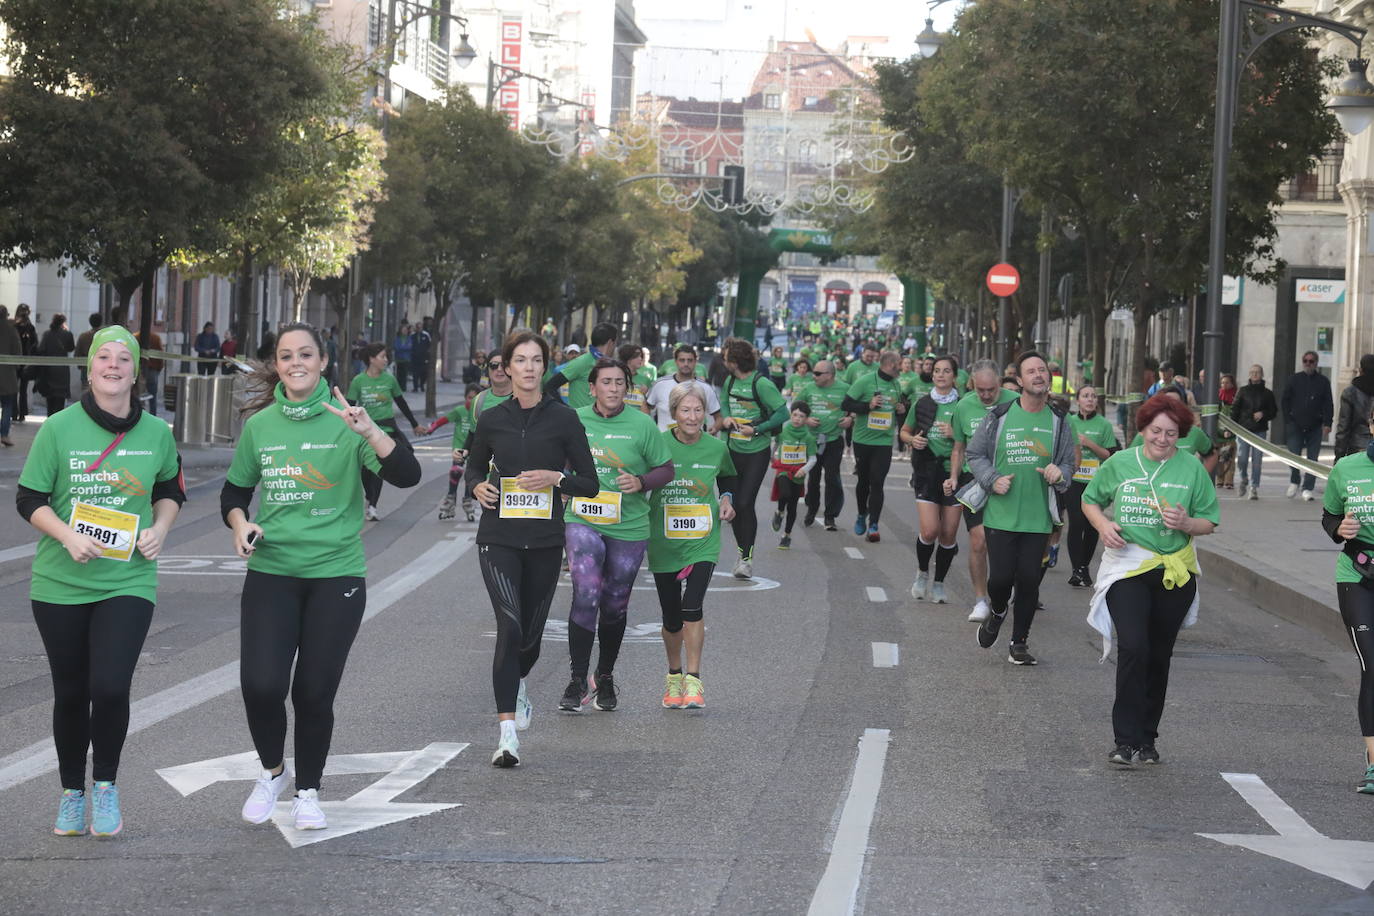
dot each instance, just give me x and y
(1357, 336)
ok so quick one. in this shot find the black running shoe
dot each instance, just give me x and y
(1076, 580)
(810, 518)
(1086, 577)
(1147, 754)
(987, 630)
(777, 520)
(574, 695)
(830, 524)
(605, 693)
(1122, 755)
(1017, 654)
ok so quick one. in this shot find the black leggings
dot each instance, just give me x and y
(372, 483)
(752, 467)
(1082, 536)
(92, 650)
(871, 462)
(789, 494)
(682, 598)
(1357, 611)
(828, 466)
(311, 622)
(520, 583)
(1147, 617)
(1014, 562)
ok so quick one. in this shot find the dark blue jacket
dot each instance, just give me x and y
(1307, 401)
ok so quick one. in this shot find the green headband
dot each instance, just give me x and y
(112, 333)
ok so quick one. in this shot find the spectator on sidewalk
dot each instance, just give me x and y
(419, 356)
(28, 344)
(229, 349)
(9, 375)
(1252, 410)
(1226, 440)
(55, 382)
(1307, 410)
(475, 369)
(152, 370)
(83, 344)
(1357, 403)
(400, 355)
(356, 353)
(207, 347)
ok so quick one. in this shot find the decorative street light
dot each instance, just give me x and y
(507, 76)
(929, 41)
(1245, 25)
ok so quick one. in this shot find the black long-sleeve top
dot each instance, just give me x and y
(510, 439)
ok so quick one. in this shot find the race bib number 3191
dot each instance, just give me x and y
(601, 509)
(115, 531)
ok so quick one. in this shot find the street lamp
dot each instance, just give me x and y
(463, 55)
(508, 75)
(1352, 103)
(929, 41)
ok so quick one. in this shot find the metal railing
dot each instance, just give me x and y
(1320, 183)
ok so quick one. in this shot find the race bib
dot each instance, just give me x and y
(517, 502)
(739, 436)
(880, 420)
(114, 530)
(686, 521)
(792, 454)
(601, 509)
(1087, 469)
(634, 398)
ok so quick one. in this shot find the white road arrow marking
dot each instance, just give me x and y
(364, 810)
(1349, 861)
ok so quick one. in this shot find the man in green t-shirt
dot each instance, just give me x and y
(576, 373)
(1021, 450)
(826, 399)
(875, 399)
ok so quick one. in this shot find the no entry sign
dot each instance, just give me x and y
(1003, 279)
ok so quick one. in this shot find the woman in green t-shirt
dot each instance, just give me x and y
(929, 430)
(1147, 584)
(305, 592)
(684, 539)
(1096, 441)
(606, 535)
(751, 408)
(1348, 517)
(798, 380)
(102, 484)
(380, 394)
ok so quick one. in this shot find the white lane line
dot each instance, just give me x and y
(875, 594)
(41, 758)
(854, 553)
(885, 655)
(22, 552)
(838, 891)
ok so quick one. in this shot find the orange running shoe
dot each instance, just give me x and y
(672, 691)
(692, 696)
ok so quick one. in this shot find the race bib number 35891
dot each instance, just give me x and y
(115, 531)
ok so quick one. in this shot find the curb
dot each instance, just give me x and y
(1264, 585)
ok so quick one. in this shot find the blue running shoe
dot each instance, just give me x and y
(861, 525)
(71, 813)
(1052, 557)
(105, 816)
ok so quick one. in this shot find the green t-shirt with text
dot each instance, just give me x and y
(1350, 489)
(1023, 448)
(629, 442)
(939, 442)
(1138, 490)
(66, 445)
(684, 515)
(376, 395)
(970, 412)
(827, 406)
(879, 425)
(737, 400)
(1098, 429)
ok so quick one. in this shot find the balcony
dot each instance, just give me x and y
(1320, 183)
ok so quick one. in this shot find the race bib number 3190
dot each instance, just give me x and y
(688, 521)
(115, 531)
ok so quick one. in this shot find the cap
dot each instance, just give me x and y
(572, 348)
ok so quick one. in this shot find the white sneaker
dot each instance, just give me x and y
(744, 569)
(918, 588)
(937, 593)
(523, 710)
(306, 810)
(263, 800)
(981, 611)
(1254, 492)
(507, 752)
(1292, 490)
(370, 513)
(1307, 496)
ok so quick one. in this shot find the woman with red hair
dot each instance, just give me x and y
(1147, 503)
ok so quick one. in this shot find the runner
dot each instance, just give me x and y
(684, 540)
(777, 368)
(1096, 441)
(660, 395)
(874, 397)
(633, 358)
(576, 373)
(1147, 583)
(304, 593)
(1348, 517)
(929, 430)
(793, 459)
(1020, 451)
(461, 418)
(378, 392)
(607, 533)
(94, 575)
(798, 380)
(826, 400)
(499, 392)
(752, 409)
(516, 470)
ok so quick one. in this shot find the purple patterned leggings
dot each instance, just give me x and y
(603, 572)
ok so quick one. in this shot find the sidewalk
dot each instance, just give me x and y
(204, 456)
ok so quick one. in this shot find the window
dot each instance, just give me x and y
(806, 152)
(1320, 183)
(811, 101)
(772, 101)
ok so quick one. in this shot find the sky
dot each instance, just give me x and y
(708, 49)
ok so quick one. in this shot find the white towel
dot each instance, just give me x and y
(1116, 565)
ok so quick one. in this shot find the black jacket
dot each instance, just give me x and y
(1352, 427)
(1252, 397)
(1307, 401)
(510, 439)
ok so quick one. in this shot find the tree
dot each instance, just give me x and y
(130, 129)
(1104, 112)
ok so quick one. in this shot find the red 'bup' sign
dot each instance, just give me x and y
(1003, 279)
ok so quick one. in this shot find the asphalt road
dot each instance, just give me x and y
(950, 782)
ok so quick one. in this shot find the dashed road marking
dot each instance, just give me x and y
(885, 655)
(875, 594)
(854, 553)
(838, 890)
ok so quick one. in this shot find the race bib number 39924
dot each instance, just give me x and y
(517, 502)
(115, 531)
